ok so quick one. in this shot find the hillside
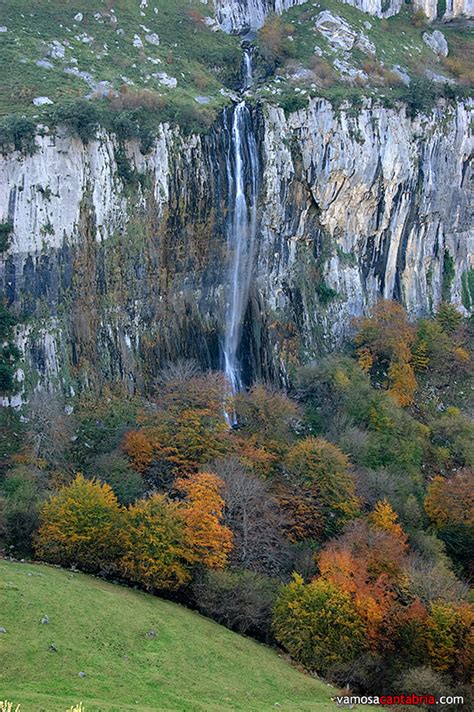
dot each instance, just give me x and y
(192, 664)
(171, 60)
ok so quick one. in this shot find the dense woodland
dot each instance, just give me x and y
(336, 520)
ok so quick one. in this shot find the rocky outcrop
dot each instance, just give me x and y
(436, 41)
(459, 8)
(428, 7)
(243, 15)
(378, 8)
(119, 261)
(238, 16)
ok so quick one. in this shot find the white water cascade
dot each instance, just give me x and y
(242, 175)
(247, 70)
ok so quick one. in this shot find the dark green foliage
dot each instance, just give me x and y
(82, 118)
(9, 353)
(6, 229)
(101, 426)
(239, 599)
(18, 132)
(12, 435)
(326, 294)
(467, 283)
(448, 275)
(388, 436)
(115, 470)
(291, 102)
(19, 509)
(420, 96)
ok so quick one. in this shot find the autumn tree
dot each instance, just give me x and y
(451, 501)
(323, 470)
(273, 39)
(318, 624)
(268, 418)
(82, 525)
(183, 428)
(383, 518)
(157, 555)
(367, 562)
(209, 541)
(384, 343)
(450, 639)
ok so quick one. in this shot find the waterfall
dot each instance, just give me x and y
(242, 175)
(247, 73)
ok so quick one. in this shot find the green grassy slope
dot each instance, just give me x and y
(98, 628)
(397, 43)
(103, 43)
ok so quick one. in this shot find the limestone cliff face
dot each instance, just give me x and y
(116, 271)
(242, 15)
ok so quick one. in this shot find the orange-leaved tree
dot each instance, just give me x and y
(209, 541)
(451, 501)
(82, 525)
(157, 555)
(367, 561)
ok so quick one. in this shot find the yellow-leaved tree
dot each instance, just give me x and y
(82, 525)
(157, 554)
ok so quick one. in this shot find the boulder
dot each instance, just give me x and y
(153, 39)
(42, 100)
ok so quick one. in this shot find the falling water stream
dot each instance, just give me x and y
(242, 176)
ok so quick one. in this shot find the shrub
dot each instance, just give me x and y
(419, 19)
(19, 132)
(80, 117)
(318, 624)
(239, 599)
(273, 39)
(420, 96)
(82, 525)
(6, 230)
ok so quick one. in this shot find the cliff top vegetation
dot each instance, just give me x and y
(170, 61)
